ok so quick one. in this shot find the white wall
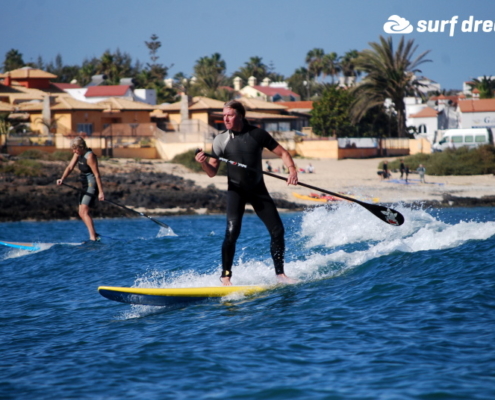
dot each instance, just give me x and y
(477, 120)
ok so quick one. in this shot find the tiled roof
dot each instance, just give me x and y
(272, 91)
(107, 91)
(306, 105)
(260, 115)
(27, 72)
(425, 113)
(114, 103)
(480, 105)
(196, 103)
(63, 86)
(254, 104)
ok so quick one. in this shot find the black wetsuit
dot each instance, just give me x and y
(88, 180)
(245, 186)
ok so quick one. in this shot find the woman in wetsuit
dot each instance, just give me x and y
(89, 177)
(244, 143)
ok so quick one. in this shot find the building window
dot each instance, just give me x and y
(85, 128)
(422, 128)
(271, 126)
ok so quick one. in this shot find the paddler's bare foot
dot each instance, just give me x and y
(226, 281)
(282, 278)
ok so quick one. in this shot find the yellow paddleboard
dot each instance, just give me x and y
(169, 296)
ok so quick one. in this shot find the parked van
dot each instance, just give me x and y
(455, 138)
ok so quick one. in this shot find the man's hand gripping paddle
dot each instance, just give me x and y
(386, 214)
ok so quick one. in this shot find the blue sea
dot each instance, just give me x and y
(380, 312)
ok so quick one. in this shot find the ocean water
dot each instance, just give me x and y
(380, 312)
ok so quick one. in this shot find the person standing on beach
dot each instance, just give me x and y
(92, 187)
(421, 171)
(244, 143)
(402, 168)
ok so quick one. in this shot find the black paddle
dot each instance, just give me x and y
(386, 214)
(120, 205)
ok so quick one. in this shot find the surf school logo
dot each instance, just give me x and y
(390, 217)
(396, 24)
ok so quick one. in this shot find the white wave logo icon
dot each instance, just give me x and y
(396, 24)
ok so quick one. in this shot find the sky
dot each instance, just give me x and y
(281, 32)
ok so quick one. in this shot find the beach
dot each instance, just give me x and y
(355, 177)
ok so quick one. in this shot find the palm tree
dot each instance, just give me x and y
(390, 74)
(210, 74)
(331, 65)
(314, 59)
(348, 64)
(485, 85)
(254, 67)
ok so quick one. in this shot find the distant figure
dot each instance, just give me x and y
(268, 166)
(310, 169)
(421, 171)
(402, 168)
(406, 171)
(385, 173)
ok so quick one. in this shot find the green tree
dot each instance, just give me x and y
(253, 67)
(485, 86)
(210, 76)
(13, 60)
(302, 83)
(390, 74)
(330, 112)
(331, 65)
(348, 64)
(315, 61)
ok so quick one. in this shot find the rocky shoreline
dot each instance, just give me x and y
(158, 193)
(145, 190)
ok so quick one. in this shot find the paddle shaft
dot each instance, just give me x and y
(386, 214)
(120, 205)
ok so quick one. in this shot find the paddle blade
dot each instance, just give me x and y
(386, 214)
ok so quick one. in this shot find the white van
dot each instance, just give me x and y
(455, 138)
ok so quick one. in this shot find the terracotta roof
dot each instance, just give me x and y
(480, 105)
(62, 103)
(63, 86)
(272, 91)
(114, 103)
(260, 115)
(453, 99)
(196, 103)
(254, 104)
(28, 72)
(107, 91)
(425, 113)
(308, 105)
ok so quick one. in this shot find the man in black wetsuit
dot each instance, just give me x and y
(244, 143)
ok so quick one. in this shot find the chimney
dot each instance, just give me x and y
(184, 107)
(7, 81)
(266, 82)
(237, 83)
(252, 81)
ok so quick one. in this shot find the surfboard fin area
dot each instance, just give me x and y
(171, 296)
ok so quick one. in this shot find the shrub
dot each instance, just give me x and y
(462, 161)
(61, 156)
(22, 168)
